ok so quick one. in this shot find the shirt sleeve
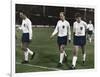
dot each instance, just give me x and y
(56, 30)
(30, 29)
(85, 24)
(69, 32)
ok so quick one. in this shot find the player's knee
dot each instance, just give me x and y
(75, 52)
(61, 49)
(24, 49)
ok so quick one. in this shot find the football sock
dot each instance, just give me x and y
(65, 53)
(25, 55)
(61, 57)
(84, 57)
(29, 51)
(90, 40)
(74, 61)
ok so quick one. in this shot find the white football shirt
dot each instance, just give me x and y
(79, 28)
(90, 27)
(62, 28)
(26, 27)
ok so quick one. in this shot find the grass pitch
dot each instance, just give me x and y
(47, 53)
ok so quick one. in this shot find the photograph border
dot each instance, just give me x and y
(13, 36)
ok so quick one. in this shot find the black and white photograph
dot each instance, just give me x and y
(50, 38)
(53, 38)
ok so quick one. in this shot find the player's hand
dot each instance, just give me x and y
(17, 29)
(51, 36)
(30, 38)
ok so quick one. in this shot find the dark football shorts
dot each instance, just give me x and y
(90, 32)
(62, 40)
(79, 40)
(25, 37)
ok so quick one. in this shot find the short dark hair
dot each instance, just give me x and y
(23, 11)
(62, 13)
(77, 15)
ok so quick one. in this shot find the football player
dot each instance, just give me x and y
(79, 40)
(90, 31)
(26, 29)
(64, 33)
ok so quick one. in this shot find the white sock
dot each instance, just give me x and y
(29, 51)
(84, 57)
(61, 57)
(26, 55)
(65, 53)
(90, 40)
(74, 61)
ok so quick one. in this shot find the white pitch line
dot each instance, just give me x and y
(55, 69)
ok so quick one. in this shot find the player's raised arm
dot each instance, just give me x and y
(55, 31)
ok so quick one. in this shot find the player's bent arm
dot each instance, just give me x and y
(20, 27)
(86, 26)
(55, 31)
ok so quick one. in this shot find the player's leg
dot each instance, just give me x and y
(75, 53)
(65, 57)
(87, 34)
(31, 53)
(83, 53)
(62, 52)
(24, 49)
(76, 42)
(62, 41)
(90, 36)
(65, 43)
(28, 50)
(83, 42)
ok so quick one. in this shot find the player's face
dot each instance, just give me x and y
(90, 22)
(22, 16)
(62, 17)
(78, 19)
